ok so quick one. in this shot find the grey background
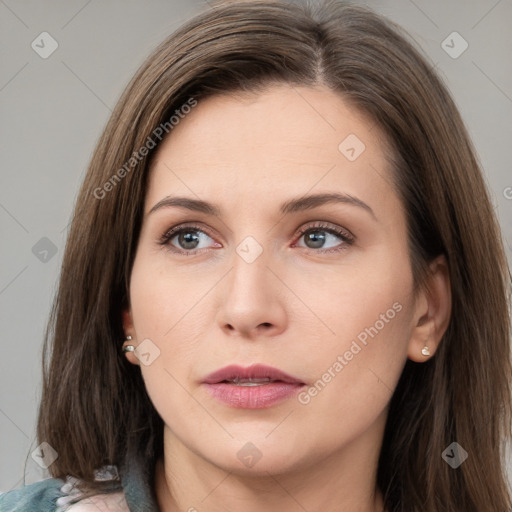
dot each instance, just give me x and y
(54, 109)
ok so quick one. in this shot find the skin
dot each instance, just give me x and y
(294, 307)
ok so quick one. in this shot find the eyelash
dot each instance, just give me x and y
(319, 226)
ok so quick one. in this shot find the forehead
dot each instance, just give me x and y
(281, 142)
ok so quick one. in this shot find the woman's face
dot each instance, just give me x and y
(320, 290)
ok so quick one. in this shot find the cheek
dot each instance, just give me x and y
(167, 309)
(164, 297)
(162, 311)
(362, 366)
(368, 296)
(355, 365)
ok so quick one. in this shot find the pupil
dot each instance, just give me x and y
(316, 239)
(186, 238)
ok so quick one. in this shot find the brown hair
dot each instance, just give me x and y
(94, 406)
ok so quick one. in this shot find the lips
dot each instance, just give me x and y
(255, 387)
(256, 374)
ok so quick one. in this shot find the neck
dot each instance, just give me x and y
(344, 481)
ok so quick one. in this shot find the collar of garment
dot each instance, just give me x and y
(131, 486)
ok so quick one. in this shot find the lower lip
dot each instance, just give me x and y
(253, 397)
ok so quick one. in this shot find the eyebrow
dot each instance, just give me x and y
(291, 206)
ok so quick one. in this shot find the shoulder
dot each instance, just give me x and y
(114, 502)
(55, 495)
(40, 496)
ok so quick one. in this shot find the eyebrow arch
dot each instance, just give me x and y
(315, 200)
(292, 206)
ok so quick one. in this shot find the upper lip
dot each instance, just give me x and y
(256, 371)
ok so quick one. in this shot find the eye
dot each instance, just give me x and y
(185, 239)
(317, 235)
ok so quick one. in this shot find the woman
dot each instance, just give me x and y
(284, 286)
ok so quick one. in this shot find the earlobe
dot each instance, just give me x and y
(433, 312)
(128, 349)
(129, 341)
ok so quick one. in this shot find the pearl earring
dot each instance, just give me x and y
(128, 348)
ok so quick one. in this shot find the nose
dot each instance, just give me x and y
(252, 299)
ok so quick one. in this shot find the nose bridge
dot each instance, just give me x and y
(250, 296)
(250, 261)
(255, 253)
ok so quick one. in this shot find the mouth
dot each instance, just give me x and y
(248, 382)
(255, 375)
(255, 387)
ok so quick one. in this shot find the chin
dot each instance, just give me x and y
(257, 458)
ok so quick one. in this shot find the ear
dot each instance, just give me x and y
(129, 330)
(432, 312)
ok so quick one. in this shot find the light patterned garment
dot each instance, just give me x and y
(115, 502)
(101, 502)
(135, 492)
